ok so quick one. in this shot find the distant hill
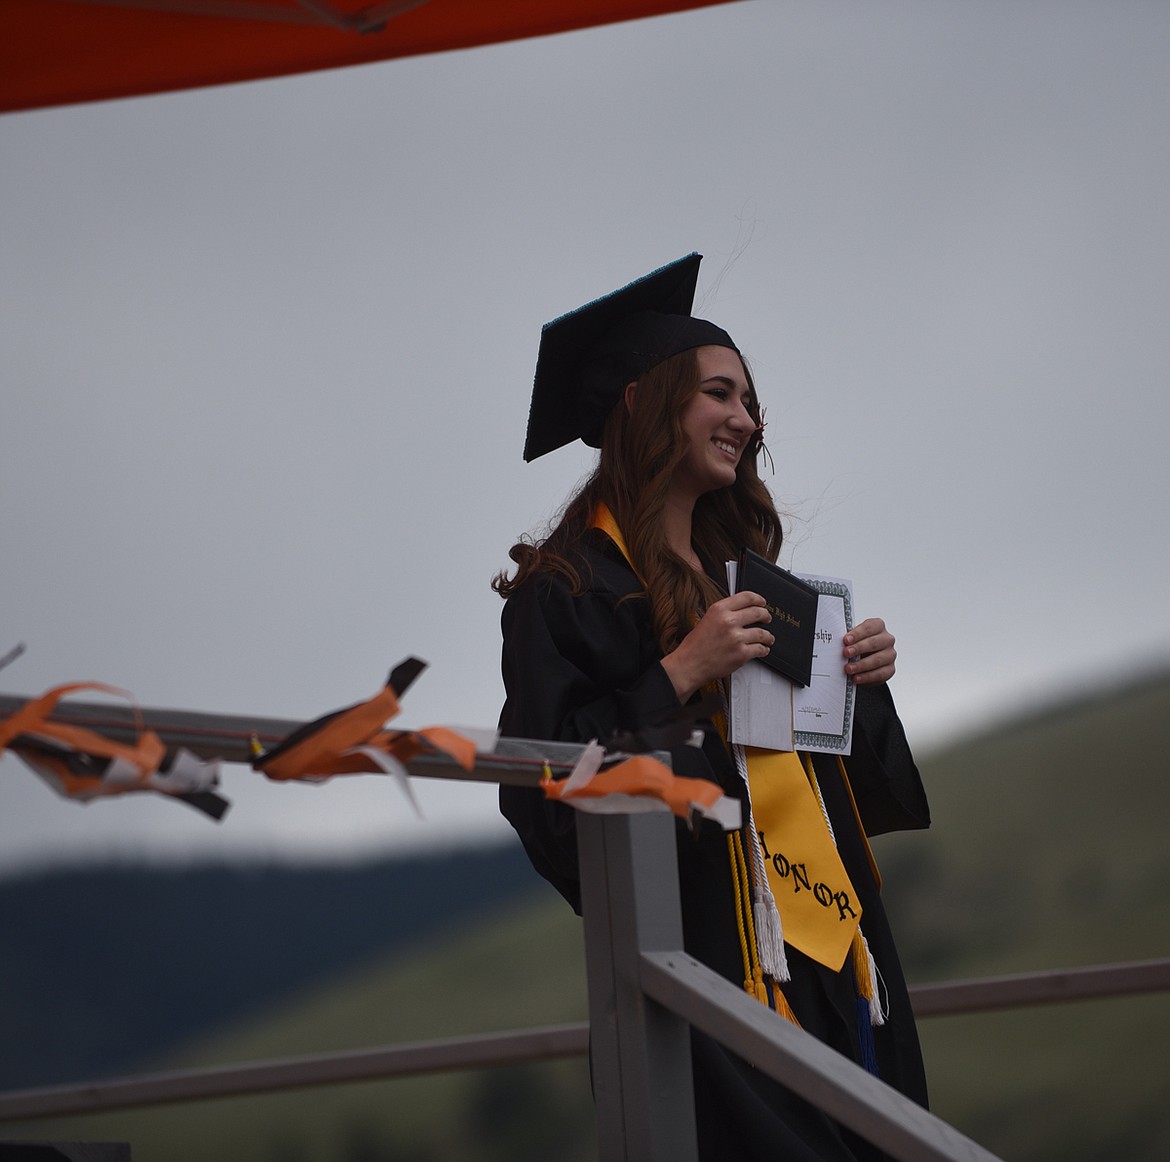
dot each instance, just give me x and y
(516, 970)
(1047, 851)
(103, 968)
(1047, 845)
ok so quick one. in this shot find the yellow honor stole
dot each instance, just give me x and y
(819, 909)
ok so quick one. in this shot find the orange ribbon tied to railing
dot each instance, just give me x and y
(640, 783)
(81, 764)
(327, 746)
(354, 740)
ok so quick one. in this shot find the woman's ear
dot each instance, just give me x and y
(629, 396)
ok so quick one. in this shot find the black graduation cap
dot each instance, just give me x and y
(589, 355)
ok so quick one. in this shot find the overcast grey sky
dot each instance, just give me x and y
(266, 353)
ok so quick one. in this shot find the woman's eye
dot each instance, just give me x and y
(718, 392)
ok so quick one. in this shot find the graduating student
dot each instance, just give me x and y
(621, 616)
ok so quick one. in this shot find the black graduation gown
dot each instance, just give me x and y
(580, 667)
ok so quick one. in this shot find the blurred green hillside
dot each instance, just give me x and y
(105, 967)
(518, 971)
(1048, 850)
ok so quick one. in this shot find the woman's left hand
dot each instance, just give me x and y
(869, 652)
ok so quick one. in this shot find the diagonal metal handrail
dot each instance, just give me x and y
(807, 1066)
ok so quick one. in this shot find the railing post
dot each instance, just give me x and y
(640, 1053)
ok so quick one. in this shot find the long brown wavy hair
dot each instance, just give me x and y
(641, 447)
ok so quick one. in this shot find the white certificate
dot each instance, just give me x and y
(822, 711)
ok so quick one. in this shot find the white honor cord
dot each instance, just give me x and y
(765, 914)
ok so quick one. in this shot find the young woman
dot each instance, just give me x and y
(621, 616)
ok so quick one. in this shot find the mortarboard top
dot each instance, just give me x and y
(589, 355)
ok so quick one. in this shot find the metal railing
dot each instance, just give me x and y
(545, 1043)
(644, 992)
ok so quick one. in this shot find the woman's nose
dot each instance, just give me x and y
(742, 418)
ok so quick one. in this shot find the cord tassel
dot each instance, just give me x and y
(769, 927)
(865, 1037)
(757, 982)
(745, 951)
(770, 936)
(866, 975)
(780, 1005)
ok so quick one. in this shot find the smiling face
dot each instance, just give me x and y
(717, 423)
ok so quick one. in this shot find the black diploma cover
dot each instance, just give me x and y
(793, 606)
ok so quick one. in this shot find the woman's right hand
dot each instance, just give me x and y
(730, 633)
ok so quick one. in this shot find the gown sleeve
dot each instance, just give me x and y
(572, 665)
(882, 772)
(576, 667)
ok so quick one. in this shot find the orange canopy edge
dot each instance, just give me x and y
(61, 52)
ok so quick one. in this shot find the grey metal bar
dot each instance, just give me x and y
(225, 736)
(1098, 982)
(365, 19)
(1040, 988)
(234, 9)
(933, 1000)
(641, 1053)
(805, 1065)
(229, 737)
(388, 9)
(486, 1050)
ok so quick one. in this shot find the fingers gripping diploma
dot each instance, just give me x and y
(869, 652)
(731, 632)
